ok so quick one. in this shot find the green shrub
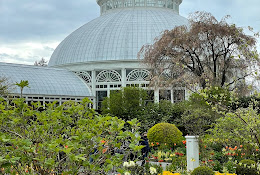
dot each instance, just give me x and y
(178, 163)
(165, 133)
(203, 170)
(246, 167)
(217, 166)
(230, 166)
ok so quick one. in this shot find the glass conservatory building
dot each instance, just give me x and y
(102, 54)
(45, 84)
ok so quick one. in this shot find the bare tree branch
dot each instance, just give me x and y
(209, 50)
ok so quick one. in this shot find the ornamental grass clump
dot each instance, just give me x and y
(165, 134)
(246, 167)
(203, 170)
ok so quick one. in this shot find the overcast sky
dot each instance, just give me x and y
(32, 29)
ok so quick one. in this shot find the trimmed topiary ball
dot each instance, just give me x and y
(202, 170)
(165, 133)
(246, 167)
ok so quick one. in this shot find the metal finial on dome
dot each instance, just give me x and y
(108, 5)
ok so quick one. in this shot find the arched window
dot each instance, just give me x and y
(108, 76)
(85, 76)
(138, 75)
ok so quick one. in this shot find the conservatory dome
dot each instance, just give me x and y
(119, 33)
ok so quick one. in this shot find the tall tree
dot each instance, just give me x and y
(42, 62)
(127, 103)
(207, 51)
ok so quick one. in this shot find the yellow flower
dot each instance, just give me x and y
(169, 173)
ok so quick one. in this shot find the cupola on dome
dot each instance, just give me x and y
(119, 33)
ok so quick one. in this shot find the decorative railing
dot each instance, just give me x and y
(106, 5)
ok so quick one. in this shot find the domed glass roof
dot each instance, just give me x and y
(116, 35)
(44, 80)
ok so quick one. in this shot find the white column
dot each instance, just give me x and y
(108, 90)
(172, 101)
(187, 93)
(26, 99)
(192, 152)
(123, 75)
(156, 95)
(93, 84)
(44, 101)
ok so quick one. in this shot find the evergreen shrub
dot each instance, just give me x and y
(202, 170)
(165, 133)
(246, 167)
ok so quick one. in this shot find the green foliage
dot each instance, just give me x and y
(136, 169)
(240, 127)
(178, 110)
(246, 101)
(165, 133)
(236, 130)
(127, 103)
(147, 169)
(199, 114)
(213, 95)
(164, 111)
(158, 112)
(22, 85)
(178, 164)
(151, 116)
(159, 168)
(64, 139)
(217, 166)
(230, 166)
(212, 149)
(4, 86)
(130, 102)
(197, 120)
(202, 171)
(246, 167)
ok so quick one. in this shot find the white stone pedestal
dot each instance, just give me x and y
(192, 152)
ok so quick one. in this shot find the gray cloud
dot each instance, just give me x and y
(50, 21)
(16, 58)
(243, 13)
(46, 20)
(43, 20)
(49, 48)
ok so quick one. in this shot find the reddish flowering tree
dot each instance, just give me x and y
(207, 51)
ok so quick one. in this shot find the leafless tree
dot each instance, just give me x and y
(42, 62)
(207, 52)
